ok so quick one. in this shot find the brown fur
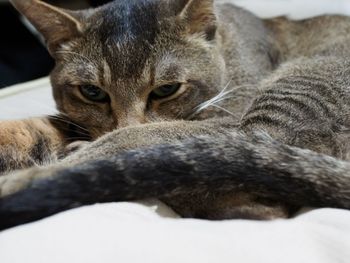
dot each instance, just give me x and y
(27, 143)
(205, 49)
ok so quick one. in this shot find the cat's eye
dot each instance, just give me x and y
(94, 93)
(165, 91)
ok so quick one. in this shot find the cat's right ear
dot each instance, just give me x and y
(55, 24)
(198, 15)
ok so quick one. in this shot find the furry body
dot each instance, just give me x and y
(286, 80)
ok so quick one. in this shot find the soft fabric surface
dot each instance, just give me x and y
(26, 100)
(150, 232)
(296, 9)
(127, 232)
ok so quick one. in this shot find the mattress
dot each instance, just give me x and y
(149, 231)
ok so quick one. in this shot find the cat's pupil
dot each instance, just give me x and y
(94, 93)
(165, 91)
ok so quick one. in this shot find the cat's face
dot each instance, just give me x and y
(133, 62)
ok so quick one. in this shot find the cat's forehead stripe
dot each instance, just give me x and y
(127, 34)
(107, 74)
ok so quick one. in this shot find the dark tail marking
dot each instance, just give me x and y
(258, 164)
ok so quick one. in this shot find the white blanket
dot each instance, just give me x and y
(129, 232)
(151, 232)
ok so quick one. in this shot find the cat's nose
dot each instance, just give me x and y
(129, 112)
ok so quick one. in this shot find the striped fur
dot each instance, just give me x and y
(274, 171)
(284, 85)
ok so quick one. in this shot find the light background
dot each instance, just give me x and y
(294, 8)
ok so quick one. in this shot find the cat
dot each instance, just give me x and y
(218, 113)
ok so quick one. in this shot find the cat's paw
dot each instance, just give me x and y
(19, 180)
(25, 143)
(15, 181)
(15, 145)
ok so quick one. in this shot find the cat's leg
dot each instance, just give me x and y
(120, 141)
(147, 135)
(210, 205)
(30, 142)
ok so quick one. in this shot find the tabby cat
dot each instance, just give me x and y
(214, 111)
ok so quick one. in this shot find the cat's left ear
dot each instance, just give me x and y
(55, 24)
(199, 17)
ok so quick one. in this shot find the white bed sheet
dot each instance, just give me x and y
(135, 233)
(151, 232)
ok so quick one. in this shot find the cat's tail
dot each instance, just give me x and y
(235, 162)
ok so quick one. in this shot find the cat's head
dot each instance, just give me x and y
(130, 61)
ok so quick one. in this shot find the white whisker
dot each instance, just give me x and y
(225, 98)
(221, 96)
(223, 109)
(72, 123)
